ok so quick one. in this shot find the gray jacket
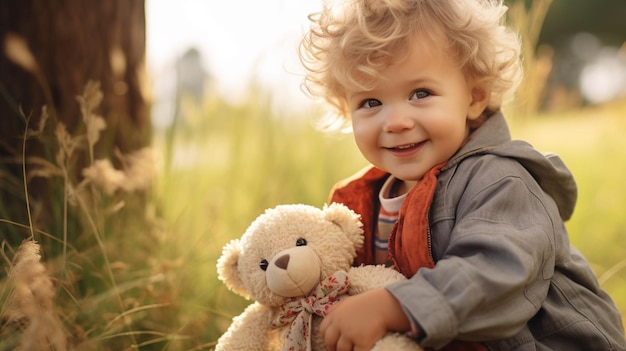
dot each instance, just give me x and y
(505, 270)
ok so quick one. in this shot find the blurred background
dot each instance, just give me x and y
(582, 40)
(170, 126)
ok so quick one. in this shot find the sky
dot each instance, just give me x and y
(235, 37)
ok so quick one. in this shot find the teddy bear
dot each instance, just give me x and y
(293, 262)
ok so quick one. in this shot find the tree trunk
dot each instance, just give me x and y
(73, 42)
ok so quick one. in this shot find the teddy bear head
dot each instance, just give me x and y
(288, 250)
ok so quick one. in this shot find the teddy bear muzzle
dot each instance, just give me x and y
(293, 272)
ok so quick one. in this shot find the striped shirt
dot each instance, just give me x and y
(387, 217)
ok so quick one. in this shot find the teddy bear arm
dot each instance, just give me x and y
(396, 342)
(250, 331)
(368, 277)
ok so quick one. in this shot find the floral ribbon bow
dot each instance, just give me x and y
(298, 311)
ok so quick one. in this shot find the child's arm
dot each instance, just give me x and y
(358, 322)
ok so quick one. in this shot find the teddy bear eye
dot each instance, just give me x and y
(301, 242)
(264, 264)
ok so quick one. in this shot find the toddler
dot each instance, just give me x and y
(472, 218)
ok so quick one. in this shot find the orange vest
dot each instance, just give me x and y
(408, 252)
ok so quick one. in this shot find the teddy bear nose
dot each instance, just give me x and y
(282, 262)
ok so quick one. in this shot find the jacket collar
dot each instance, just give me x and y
(493, 132)
(493, 137)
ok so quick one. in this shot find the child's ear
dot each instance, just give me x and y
(478, 104)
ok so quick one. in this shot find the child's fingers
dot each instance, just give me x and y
(329, 334)
(344, 344)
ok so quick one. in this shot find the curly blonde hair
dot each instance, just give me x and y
(348, 45)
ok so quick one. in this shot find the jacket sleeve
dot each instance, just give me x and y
(498, 257)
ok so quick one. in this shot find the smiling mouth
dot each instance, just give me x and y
(405, 147)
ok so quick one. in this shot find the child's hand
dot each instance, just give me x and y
(358, 322)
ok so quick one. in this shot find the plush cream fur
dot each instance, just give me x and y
(298, 245)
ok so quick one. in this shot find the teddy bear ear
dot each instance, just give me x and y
(227, 270)
(347, 220)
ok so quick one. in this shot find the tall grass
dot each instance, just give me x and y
(86, 246)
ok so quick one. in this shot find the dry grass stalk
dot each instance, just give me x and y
(16, 49)
(89, 102)
(30, 308)
(137, 174)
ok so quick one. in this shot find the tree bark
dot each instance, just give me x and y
(73, 42)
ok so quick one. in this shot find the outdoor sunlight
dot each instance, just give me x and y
(141, 140)
(238, 41)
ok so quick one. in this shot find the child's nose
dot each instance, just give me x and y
(397, 120)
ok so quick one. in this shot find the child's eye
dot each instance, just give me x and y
(420, 94)
(370, 103)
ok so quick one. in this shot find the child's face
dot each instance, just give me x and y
(416, 116)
